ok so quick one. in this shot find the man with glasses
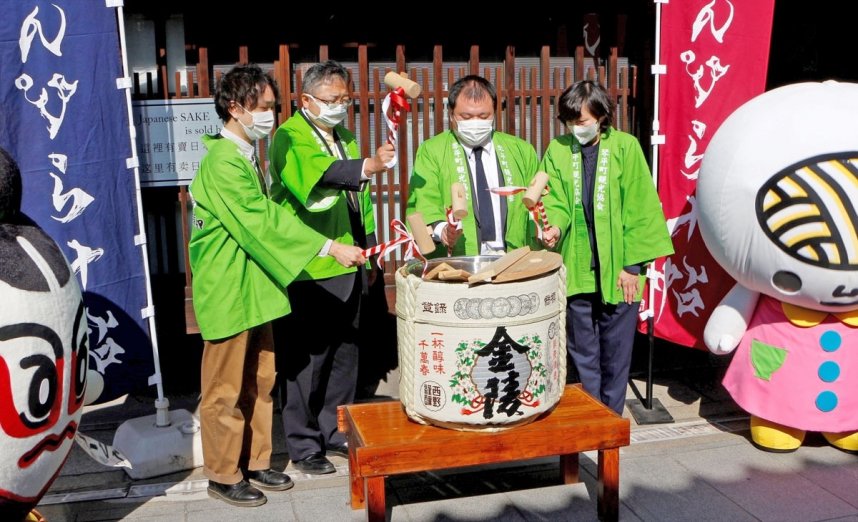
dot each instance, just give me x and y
(319, 175)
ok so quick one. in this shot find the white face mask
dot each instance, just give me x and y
(474, 132)
(261, 126)
(585, 133)
(329, 115)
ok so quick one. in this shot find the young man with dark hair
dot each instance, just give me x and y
(244, 251)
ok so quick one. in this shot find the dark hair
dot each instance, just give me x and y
(323, 73)
(590, 94)
(10, 187)
(474, 87)
(242, 84)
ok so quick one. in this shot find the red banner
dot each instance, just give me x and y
(716, 56)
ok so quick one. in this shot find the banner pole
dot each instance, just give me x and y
(162, 404)
(647, 410)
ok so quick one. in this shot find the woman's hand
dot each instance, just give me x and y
(629, 284)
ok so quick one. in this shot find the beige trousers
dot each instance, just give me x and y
(236, 408)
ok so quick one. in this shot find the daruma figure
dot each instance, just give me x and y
(43, 354)
(776, 198)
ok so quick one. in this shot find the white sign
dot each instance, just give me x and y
(168, 138)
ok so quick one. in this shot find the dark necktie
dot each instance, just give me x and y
(260, 175)
(484, 199)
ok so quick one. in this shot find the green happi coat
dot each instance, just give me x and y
(298, 159)
(242, 250)
(441, 161)
(630, 228)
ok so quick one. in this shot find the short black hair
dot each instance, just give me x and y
(590, 94)
(321, 73)
(242, 84)
(10, 187)
(474, 87)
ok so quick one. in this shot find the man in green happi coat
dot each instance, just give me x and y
(244, 251)
(481, 159)
(319, 176)
(607, 220)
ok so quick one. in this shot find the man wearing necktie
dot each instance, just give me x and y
(319, 176)
(479, 158)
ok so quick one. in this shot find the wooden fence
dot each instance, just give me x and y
(527, 91)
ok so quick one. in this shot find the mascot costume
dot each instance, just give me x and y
(43, 355)
(777, 196)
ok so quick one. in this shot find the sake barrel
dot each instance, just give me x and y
(480, 357)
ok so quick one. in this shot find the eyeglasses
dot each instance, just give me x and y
(345, 100)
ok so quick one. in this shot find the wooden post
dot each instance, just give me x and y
(402, 181)
(381, 182)
(243, 55)
(177, 77)
(509, 69)
(545, 94)
(323, 53)
(534, 101)
(522, 90)
(365, 113)
(165, 84)
(285, 83)
(499, 86)
(438, 78)
(474, 62)
(203, 73)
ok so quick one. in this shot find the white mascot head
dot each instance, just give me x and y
(777, 195)
(43, 354)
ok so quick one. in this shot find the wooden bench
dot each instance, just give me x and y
(383, 441)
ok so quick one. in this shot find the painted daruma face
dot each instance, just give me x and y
(43, 364)
(777, 206)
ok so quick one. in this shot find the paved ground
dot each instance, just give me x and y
(700, 467)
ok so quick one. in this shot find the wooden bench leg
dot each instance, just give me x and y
(356, 482)
(569, 468)
(376, 508)
(608, 500)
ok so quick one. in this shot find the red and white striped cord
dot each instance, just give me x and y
(394, 102)
(455, 223)
(403, 237)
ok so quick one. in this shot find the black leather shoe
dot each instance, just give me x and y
(241, 494)
(269, 479)
(315, 464)
(340, 450)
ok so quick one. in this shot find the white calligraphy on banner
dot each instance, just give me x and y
(688, 300)
(713, 57)
(52, 101)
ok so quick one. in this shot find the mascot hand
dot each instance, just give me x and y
(726, 344)
(729, 320)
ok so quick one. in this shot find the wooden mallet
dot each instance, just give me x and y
(420, 233)
(533, 197)
(401, 81)
(460, 209)
(394, 104)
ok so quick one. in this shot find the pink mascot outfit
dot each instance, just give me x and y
(776, 195)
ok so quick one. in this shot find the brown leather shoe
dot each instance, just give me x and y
(269, 479)
(241, 494)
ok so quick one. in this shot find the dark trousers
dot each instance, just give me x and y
(317, 361)
(599, 340)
